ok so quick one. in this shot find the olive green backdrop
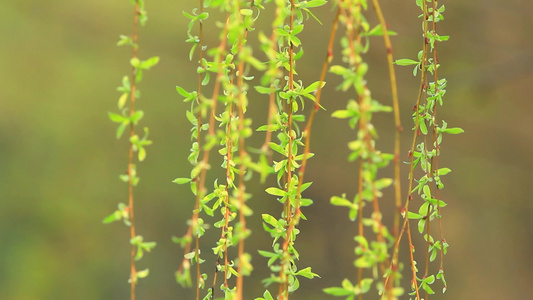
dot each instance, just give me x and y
(60, 161)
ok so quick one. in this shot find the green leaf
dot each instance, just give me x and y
(191, 117)
(149, 63)
(427, 192)
(281, 32)
(443, 171)
(455, 130)
(421, 225)
(406, 62)
(366, 283)
(277, 148)
(276, 192)
(191, 52)
(363, 262)
(118, 118)
(189, 255)
(142, 274)
(203, 16)
(137, 116)
(125, 40)
(267, 254)
(135, 62)
(307, 273)
(353, 212)
(412, 215)
(377, 31)
(342, 114)
(148, 246)
(111, 218)
(305, 186)
(423, 127)
(126, 86)
(266, 295)
(142, 154)
(208, 210)
(305, 202)
(338, 201)
(313, 87)
(182, 91)
(383, 183)
(337, 291)
(188, 15)
(269, 220)
(136, 240)
(205, 81)
(122, 100)
(263, 90)
(181, 180)
(315, 3)
(246, 12)
(271, 127)
(121, 128)
(424, 208)
(362, 241)
(302, 156)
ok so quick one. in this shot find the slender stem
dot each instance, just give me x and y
(211, 130)
(200, 179)
(307, 131)
(283, 292)
(399, 129)
(435, 136)
(353, 24)
(397, 120)
(229, 181)
(241, 199)
(197, 251)
(133, 270)
(405, 210)
(198, 193)
(242, 169)
(194, 219)
(360, 228)
(428, 214)
(412, 259)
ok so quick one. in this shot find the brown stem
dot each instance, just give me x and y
(353, 23)
(428, 214)
(307, 133)
(399, 129)
(435, 136)
(200, 179)
(242, 169)
(199, 120)
(283, 292)
(397, 120)
(412, 260)
(360, 228)
(229, 146)
(185, 263)
(423, 83)
(130, 158)
(241, 199)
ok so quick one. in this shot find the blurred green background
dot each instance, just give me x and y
(60, 161)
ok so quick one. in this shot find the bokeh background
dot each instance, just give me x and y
(60, 161)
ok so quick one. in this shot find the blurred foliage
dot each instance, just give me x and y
(59, 157)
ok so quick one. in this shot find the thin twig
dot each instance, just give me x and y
(130, 157)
